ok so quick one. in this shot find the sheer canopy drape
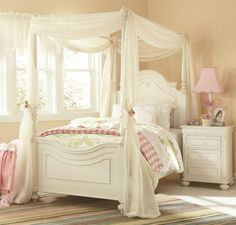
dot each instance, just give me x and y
(91, 33)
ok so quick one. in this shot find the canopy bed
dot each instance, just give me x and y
(97, 170)
(107, 173)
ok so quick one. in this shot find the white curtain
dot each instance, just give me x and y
(91, 45)
(106, 84)
(78, 27)
(188, 82)
(14, 31)
(148, 52)
(139, 198)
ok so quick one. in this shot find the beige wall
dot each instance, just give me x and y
(9, 131)
(72, 6)
(211, 27)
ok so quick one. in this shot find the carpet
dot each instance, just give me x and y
(73, 210)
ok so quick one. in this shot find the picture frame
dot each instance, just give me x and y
(218, 116)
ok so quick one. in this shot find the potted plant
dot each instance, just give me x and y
(206, 119)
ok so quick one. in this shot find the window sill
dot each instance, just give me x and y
(49, 117)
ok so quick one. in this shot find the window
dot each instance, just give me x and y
(78, 76)
(68, 81)
(77, 90)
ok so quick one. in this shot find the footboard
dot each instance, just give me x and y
(94, 172)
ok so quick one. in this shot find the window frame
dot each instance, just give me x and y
(55, 95)
(95, 70)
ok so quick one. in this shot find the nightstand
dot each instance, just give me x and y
(207, 155)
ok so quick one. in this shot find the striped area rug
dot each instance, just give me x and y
(72, 210)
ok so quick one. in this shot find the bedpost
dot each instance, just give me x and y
(33, 100)
(115, 86)
(121, 175)
(184, 112)
(35, 195)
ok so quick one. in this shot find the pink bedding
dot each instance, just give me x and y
(8, 154)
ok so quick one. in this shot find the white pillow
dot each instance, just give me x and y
(159, 115)
(163, 115)
(145, 114)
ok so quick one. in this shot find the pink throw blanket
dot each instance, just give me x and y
(8, 154)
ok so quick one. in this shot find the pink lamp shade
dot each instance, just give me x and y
(208, 81)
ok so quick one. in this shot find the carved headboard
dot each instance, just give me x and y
(154, 89)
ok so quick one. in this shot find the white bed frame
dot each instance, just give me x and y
(98, 171)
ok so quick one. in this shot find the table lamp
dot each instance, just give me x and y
(208, 82)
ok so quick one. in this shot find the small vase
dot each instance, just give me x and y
(206, 122)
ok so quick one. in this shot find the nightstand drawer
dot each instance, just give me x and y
(203, 143)
(203, 157)
(204, 173)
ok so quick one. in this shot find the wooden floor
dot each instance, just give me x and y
(209, 195)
